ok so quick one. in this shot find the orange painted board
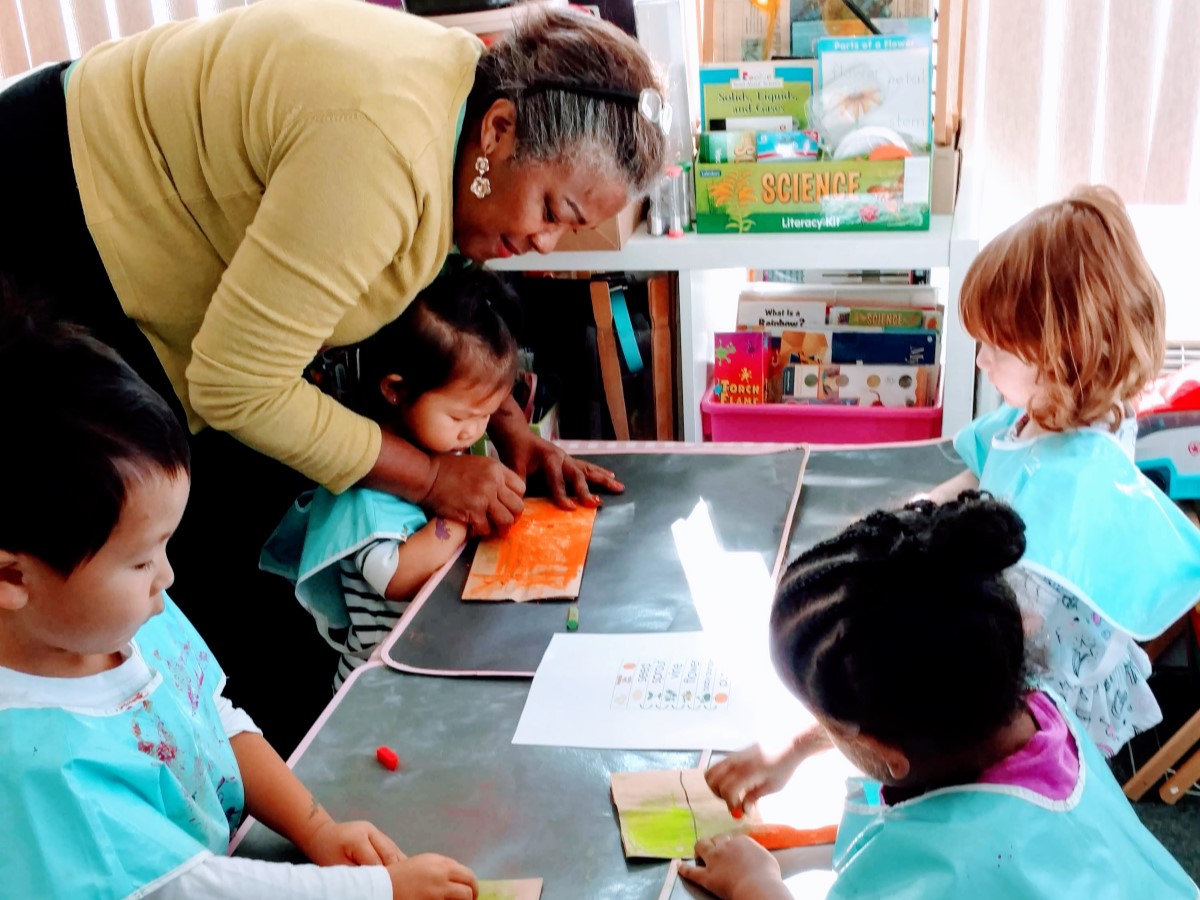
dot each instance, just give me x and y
(541, 557)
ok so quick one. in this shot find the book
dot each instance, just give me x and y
(859, 385)
(786, 146)
(727, 146)
(834, 294)
(737, 30)
(776, 312)
(886, 316)
(917, 347)
(806, 34)
(879, 80)
(755, 90)
(842, 344)
(821, 10)
(740, 367)
(865, 276)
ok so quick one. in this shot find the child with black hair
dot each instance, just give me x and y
(123, 768)
(903, 637)
(435, 377)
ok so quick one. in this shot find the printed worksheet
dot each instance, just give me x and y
(670, 684)
(674, 691)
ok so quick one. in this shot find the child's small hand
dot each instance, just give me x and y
(351, 844)
(741, 778)
(429, 876)
(735, 868)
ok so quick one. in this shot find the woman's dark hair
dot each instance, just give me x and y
(79, 425)
(576, 82)
(464, 324)
(905, 625)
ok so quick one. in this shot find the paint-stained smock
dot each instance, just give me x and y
(114, 783)
(1109, 559)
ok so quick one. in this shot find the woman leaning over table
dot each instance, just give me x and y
(222, 199)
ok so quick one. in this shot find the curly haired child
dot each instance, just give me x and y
(1071, 324)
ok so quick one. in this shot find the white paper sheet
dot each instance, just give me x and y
(675, 691)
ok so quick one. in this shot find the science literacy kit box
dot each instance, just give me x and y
(857, 158)
(843, 195)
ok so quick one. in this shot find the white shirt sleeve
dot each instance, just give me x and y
(378, 563)
(220, 877)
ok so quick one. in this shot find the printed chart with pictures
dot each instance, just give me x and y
(674, 691)
(694, 683)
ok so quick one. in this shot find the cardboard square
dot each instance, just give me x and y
(512, 889)
(541, 557)
(663, 813)
(611, 234)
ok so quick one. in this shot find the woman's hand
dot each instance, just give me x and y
(479, 492)
(429, 876)
(475, 490)
(351, 844)
(735, 868)
(565, 476)
(527, 455)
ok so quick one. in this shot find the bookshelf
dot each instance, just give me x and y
(711, 267)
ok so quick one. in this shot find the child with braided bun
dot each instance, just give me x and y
(903, 637)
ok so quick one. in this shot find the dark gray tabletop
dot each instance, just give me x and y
(512, 812)
(466, 791)
(633, 580)
(843, 485)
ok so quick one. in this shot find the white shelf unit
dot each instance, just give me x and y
(712, 266)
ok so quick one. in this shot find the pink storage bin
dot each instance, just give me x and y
(817, 424)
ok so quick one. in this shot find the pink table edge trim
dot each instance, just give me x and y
(738, 448)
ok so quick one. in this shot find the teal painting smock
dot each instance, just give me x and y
(1094, 523)
(319, 531)
(998, 842)
(113, 797)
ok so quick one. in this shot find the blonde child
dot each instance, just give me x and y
(903, 637)
(435, 376)
(125, 770)
(1070, 321)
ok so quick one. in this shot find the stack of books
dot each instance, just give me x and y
(848, 345)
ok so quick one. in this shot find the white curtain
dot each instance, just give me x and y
(33, 32)
(1064, 92)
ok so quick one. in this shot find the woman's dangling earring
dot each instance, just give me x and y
(482, 185)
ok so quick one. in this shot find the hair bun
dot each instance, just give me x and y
(975, 533)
